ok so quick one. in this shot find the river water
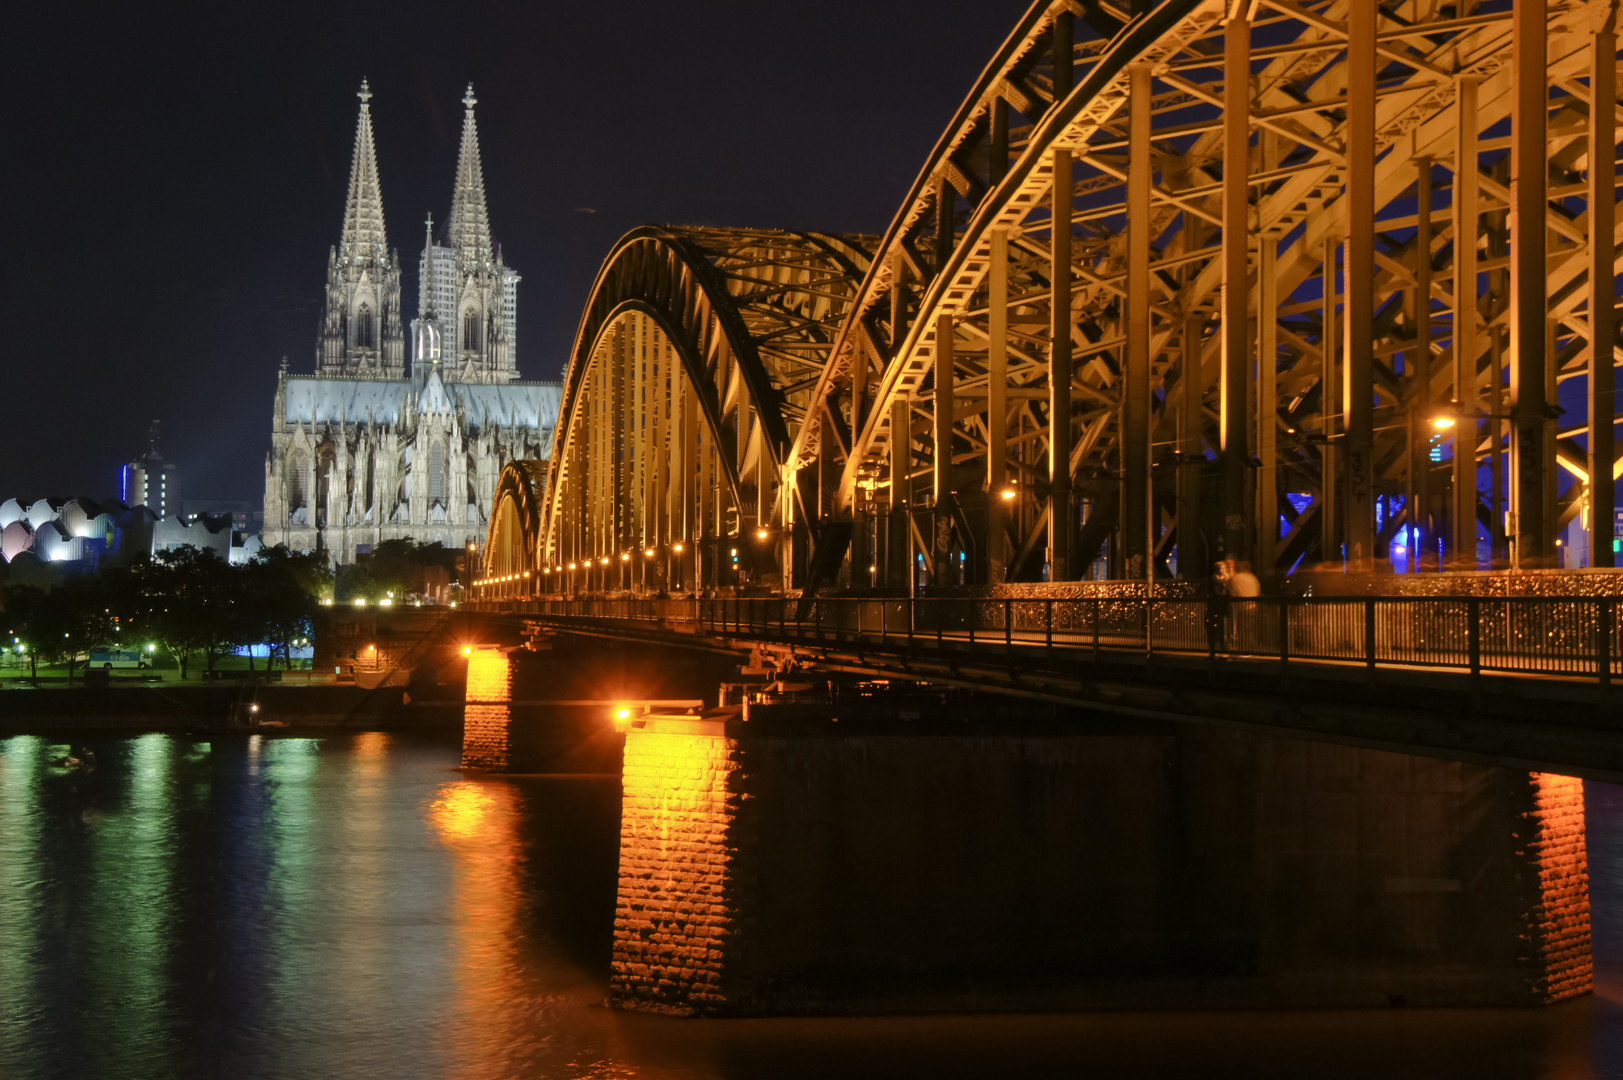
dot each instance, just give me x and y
(353, 906)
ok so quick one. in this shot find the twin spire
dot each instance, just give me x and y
(364, 239)
(469, 228)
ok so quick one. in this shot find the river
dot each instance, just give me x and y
(353, 906)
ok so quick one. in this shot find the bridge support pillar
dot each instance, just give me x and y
(487, 711)
(774, 866)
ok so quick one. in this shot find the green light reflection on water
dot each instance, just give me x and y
(22, 890)
(126, 922)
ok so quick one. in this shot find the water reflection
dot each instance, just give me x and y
(353, 907)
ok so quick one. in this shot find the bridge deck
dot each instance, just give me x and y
(1523, 681)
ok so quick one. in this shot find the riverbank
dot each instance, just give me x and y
(169, 708)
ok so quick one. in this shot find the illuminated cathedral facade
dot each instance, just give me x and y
(369, 448)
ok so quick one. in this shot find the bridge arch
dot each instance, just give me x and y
(689, 379)
(1186, 418)
(509, 559)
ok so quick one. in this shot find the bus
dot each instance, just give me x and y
(113, 659)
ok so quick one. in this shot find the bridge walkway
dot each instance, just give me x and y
(1522, 681)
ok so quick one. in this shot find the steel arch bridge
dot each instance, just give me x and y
(1330, 274)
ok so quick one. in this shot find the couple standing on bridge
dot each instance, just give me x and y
(1231, 579)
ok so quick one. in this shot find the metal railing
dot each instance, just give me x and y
(1559, 636)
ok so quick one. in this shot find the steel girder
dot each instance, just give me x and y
(690, 377)
(1256, 297)
(515, 525)
(1342, 120)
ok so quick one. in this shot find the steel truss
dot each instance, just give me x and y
(692, 372)
(1215, 160)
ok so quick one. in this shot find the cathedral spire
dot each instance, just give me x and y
(363, 238)
(469, 229)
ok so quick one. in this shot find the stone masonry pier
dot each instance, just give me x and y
(797, 867)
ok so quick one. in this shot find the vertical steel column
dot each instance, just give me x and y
(1059, 376)
(637, 411)
(1330, 408)
(1137, 526)
(1467, 343)
(1235, 378)
(688, 462)
(1193, 561)
(1529, 171)
(900, 540)
(941, 451)
(1358, 316)
(997, 405)
(1267, 537)
(1602, 286)
(1416, 499)
(658, 449)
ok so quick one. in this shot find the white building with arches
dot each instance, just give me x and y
(364, 450)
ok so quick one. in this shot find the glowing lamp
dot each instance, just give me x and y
(254, 707)
(360, 601)
(605, 560)
(548, 570)
(649, 553)
(625, 556)
(677, 548)
(1008, 493)
(760, 534)
(1443, 423)
(624, 714)
(571, 566)
(386, 602)
(467, 650)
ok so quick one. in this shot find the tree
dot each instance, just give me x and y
(26, 618)
(279, 597)
(394, 568)
(58, 625)
(184, 601)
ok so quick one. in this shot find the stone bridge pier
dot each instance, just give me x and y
(794, 866)
(911, 852)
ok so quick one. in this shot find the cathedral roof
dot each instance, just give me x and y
(363, 238)
(322, 401)
(468, 230)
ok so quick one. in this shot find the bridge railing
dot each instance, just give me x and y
(1562, 636)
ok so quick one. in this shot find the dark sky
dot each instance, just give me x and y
(175, 174)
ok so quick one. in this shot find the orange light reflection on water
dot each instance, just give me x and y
(477, 821)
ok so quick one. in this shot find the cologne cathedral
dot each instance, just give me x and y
(367, 449)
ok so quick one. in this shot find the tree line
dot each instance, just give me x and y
(180, 602)
(188, 600)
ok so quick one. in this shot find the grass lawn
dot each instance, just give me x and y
(167, 670)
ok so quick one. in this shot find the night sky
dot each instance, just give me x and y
(175, 175)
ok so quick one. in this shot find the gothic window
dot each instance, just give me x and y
(436, 474)
(365, 333)
(371, 477)
(296, 468)
(470, 331)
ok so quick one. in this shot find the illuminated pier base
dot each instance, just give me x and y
(790, 869)
(487, 711)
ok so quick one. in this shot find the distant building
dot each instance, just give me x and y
(246, 516)
(363, 450)
(49, 539)
(149, 480)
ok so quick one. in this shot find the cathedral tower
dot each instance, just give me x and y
(360, 320)
(467, 295)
